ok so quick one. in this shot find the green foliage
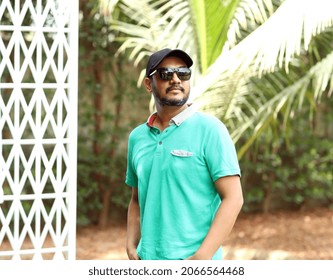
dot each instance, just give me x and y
(107, 95)
(88, 203)
(277, 171)
(211, 20)
(297, 173)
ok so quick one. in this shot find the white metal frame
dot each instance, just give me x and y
(38, 128)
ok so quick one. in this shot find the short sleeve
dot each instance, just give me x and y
(220, 152)
(131, 177)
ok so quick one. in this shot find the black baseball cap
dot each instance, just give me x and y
(156, 58)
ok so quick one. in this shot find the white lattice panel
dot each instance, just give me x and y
(38, 124)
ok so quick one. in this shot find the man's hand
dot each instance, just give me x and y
(132, 255)
(198, 256)
(133, 226)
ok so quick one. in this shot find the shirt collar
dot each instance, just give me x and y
(178, 119)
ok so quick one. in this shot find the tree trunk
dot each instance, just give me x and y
(266, 205)
(104, 214)
(94, 72)
(268, 190)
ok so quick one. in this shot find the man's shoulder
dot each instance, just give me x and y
(138, 130)
(207, 120)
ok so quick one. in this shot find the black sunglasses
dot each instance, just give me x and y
(166, 74)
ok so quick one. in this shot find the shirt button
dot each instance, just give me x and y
(160, 143)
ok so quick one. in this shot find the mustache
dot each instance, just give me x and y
(174, 88)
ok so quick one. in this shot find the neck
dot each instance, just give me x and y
(166, 113)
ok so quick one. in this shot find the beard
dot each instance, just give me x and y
(169, 100)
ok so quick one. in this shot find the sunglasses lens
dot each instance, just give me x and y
(166, 74)
(184, 74)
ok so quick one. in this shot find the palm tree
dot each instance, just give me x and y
(249, 54)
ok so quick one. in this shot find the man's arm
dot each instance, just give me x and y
(230, 191)
(133, 226)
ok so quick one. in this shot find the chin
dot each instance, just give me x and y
(173, 102)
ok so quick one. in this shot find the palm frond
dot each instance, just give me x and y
(211, 20)
(107, 7)
(248, 16)
(282, 36)
(311, 87)
(263, 36)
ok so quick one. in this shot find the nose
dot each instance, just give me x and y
(175, 78)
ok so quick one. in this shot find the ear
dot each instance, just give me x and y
(148, 85)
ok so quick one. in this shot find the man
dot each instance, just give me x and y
(183, 170)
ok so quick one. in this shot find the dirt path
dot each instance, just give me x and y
(281, 235)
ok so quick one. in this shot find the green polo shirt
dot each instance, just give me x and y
(174, 171)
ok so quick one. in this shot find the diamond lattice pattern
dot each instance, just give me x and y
(34, 123)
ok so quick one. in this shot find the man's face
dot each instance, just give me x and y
(174, 92)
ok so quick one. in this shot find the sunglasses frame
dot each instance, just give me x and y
(171, 70)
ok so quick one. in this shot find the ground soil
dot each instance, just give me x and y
(279, 235)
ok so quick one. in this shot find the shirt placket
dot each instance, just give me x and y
(161, 137)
